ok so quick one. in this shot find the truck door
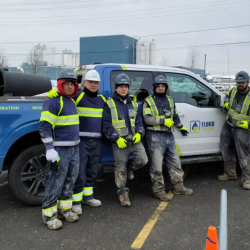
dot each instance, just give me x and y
(195, 103)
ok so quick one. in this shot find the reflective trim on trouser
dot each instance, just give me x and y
(66, 143)
(77, 197)
(49, 212)
(64, 205)
(87, 191)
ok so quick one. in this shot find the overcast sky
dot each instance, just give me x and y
(41, 21)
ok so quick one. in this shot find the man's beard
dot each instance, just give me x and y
(241, 89)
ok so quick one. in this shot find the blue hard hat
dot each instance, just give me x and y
(242, 76)
(160, 80)
(122, 79)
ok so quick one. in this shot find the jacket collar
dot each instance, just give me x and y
(116, 97)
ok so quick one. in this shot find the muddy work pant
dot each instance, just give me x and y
(121, 161)
(59, 187)
(235, 140)
(161, 147)
(90, 151)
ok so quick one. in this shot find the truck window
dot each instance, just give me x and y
(186, 89)
(141, 83)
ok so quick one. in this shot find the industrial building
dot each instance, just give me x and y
(116, 49)
(108, 49)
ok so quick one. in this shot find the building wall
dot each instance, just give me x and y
(107, 49)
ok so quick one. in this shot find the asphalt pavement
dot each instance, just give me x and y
(182, 225)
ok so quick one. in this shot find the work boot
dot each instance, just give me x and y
(162, 195)
(131, 175)
(53, 223)
(124, 199)
(181, 189)
(246, 185)
(227, 177)
(93, 202)
(77, 209)
(69, 216)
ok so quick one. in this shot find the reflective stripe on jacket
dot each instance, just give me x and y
(237, 114)
(120, 124)
(153, 111)
(59, 122)
(90, 110)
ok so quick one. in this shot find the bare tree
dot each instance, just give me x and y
(164, 61)
(34, 58)
(193, 57)
(3, 59)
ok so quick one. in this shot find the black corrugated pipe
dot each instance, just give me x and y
(18, 84)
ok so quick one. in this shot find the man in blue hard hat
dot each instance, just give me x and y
(122, 125)
(160, 114)
(235, 132)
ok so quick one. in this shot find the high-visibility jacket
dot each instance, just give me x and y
(90, 110)
(118, 122)
(237, 112)
(154, 109)
(121, 118)
(59, 122)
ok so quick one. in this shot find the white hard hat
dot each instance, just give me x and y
(92, 75)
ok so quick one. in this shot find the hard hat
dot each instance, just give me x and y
(92, 75)
(242, 76)
(122, 79)
(160, 80)
(67, 74)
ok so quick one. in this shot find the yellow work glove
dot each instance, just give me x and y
(122, 143)
(225, 107)
(168, 123)
(52, 93)
(184, 131)
(244, 124)
(136, 138)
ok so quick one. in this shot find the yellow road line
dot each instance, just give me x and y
(143, 235)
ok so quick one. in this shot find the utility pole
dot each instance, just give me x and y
(205, 61)
(228, 70)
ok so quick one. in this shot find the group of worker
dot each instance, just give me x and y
(72, 123)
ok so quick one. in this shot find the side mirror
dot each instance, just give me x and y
(218, 101)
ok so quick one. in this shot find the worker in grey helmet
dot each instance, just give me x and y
(122, 125)
(235, 132)
(160, 114)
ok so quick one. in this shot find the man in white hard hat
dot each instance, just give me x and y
(89, 105)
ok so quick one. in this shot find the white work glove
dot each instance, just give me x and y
(51, 155)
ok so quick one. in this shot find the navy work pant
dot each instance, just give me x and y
(59, 188)
(90, 151)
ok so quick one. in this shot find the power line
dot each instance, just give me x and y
(122, 19)
(44, 3)
(242, 43)
(90, 14)
(77, 7)
(166, 34)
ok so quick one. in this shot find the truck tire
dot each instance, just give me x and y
(27, 175)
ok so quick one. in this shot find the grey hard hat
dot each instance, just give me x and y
(122, 79)
(242, 76)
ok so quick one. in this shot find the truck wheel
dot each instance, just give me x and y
(27, 175)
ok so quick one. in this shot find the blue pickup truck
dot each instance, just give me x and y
(22, 152)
